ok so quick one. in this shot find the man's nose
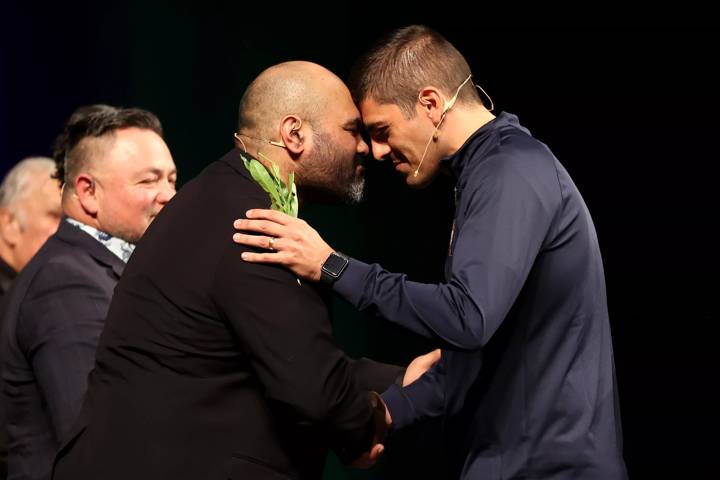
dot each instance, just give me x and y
(380, 150)
(167, 191)
(362, 147)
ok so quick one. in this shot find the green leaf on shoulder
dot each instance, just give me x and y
(283, 196)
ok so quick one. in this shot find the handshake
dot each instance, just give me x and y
(383, 418)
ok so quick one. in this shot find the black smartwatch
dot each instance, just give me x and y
(333, 267)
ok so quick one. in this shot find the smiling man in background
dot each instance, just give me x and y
(117, 174)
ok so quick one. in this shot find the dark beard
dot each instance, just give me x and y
(323, 196)
(326, 182)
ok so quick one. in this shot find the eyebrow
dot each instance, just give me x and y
(157, 171)
(375, 126)
(353, 123)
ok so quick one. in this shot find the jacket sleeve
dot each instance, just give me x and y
(59, 327)
(421, 400)
(376, 376)
(507, 215)
(283, 327)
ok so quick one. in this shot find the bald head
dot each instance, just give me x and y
(302, 88)
(308, 111)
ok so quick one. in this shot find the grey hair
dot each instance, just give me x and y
(15, 185)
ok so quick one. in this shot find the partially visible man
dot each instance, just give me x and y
(212, 368)
(118, 174)
(29, 214)
(526, 387)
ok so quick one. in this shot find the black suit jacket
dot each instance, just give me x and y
(7, 275)
(53, 319)
(213, 368)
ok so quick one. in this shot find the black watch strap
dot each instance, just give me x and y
(333, 267)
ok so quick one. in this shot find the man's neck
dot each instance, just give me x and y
(7, 255)
(282, 166)
(460, 124)
(268, 157)
(72, 209)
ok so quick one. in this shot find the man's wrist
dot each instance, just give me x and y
(400, 379)
(381, 417)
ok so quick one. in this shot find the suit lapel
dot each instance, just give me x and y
(74, 236)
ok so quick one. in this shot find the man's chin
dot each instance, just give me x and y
(152, 217)
(355, 191)
(416, 182)
(331, 196)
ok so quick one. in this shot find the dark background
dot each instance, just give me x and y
(628, 103)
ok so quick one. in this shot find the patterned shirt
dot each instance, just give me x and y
(118, 246)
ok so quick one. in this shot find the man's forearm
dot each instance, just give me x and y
(376, 376)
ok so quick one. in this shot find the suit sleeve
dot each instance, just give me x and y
(376, 376)
(507, 215)
(61, 323)
(284, 329)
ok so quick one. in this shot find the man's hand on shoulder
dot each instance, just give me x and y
(290, 242)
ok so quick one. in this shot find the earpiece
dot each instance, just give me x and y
(275, 143)
(237, 137)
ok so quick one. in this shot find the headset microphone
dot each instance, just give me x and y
(434, 135)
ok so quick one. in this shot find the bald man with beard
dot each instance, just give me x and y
(213, 368)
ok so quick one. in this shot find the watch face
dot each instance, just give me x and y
(334, 264)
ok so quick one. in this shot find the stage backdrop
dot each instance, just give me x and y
(629, 107)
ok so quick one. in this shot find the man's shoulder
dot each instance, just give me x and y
(59, 277)
(514, 155)
(58, 264)
(518, 168)
(224, 182)
(196, 227)
(516, 148)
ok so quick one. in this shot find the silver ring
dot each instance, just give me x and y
(271, 244)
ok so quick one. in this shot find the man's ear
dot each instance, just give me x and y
(431, 103)
(9, 227)
(293, 134)
(85, 189)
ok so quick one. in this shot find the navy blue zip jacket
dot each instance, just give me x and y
(526, 385)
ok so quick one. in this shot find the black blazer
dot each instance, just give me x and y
(53, 319)
(213, 368)
(7, 275)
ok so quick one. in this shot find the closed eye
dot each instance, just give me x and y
(353, 126)
(380, 133)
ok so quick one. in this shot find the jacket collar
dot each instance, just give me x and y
(7, 274)
(233, 159)
(478, 144)
(74, 236)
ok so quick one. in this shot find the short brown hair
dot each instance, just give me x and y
(94, 121)
(406, 60)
